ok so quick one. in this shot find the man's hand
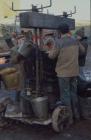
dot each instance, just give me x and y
(49, 44)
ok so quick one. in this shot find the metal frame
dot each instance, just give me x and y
(34, 8)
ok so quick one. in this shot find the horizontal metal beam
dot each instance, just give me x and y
(44, 21)
(41, 8)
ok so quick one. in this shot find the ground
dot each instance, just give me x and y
(79, 131)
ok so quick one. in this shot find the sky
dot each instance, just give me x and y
(83, 7)
(58, 6)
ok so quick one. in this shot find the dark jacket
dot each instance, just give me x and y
(82, 56)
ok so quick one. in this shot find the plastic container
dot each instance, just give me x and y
(25, 106)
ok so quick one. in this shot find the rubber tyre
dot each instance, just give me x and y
(60, 118)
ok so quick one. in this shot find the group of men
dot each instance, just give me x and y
(71, 53)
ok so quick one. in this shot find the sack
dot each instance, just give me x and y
(11, 78)
(7, 71)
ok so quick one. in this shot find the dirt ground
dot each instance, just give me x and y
(79, 131)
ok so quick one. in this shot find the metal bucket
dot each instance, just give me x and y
(40, 107)
(25, 49)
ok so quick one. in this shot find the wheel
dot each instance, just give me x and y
(60, 118)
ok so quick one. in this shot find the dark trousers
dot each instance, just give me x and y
(68, 94)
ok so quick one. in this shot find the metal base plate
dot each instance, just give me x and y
(23, 119)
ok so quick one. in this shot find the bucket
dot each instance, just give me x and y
(26, 49)
(40, 107)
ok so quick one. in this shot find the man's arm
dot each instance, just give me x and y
(53, 53)
(81, 48)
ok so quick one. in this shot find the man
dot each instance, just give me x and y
(7, 37)
(66, 49)
(80, 35)
(14, 39)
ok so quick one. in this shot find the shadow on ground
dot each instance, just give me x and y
(17, 131)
